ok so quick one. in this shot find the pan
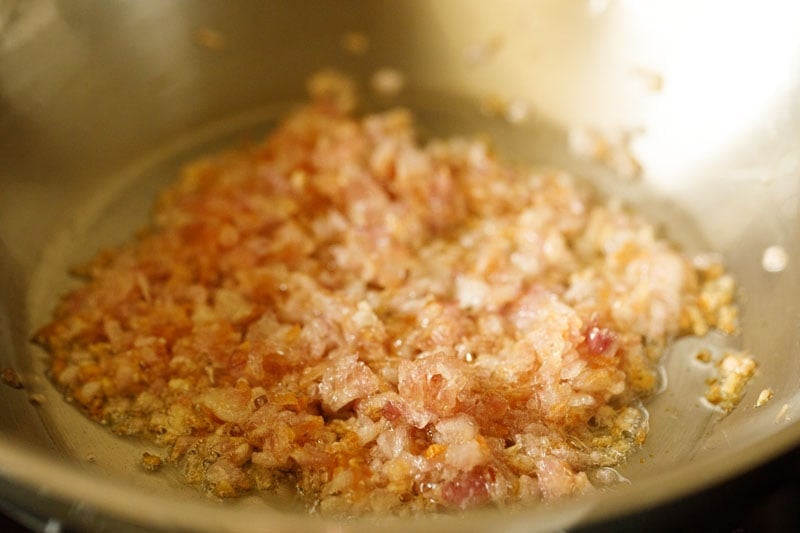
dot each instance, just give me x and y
(101, 103)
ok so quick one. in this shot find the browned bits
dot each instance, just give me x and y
(332, 88)
(735, 370)
(764, 396)
(704, 356)
(11, 378)
(209, 39)
(355, 43)
(387, 81)
(151, 462)
(37, 399)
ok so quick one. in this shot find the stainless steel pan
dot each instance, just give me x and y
(100, 101)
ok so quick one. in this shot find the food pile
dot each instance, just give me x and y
(378, 324)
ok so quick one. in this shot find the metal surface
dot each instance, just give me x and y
(101, 101)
